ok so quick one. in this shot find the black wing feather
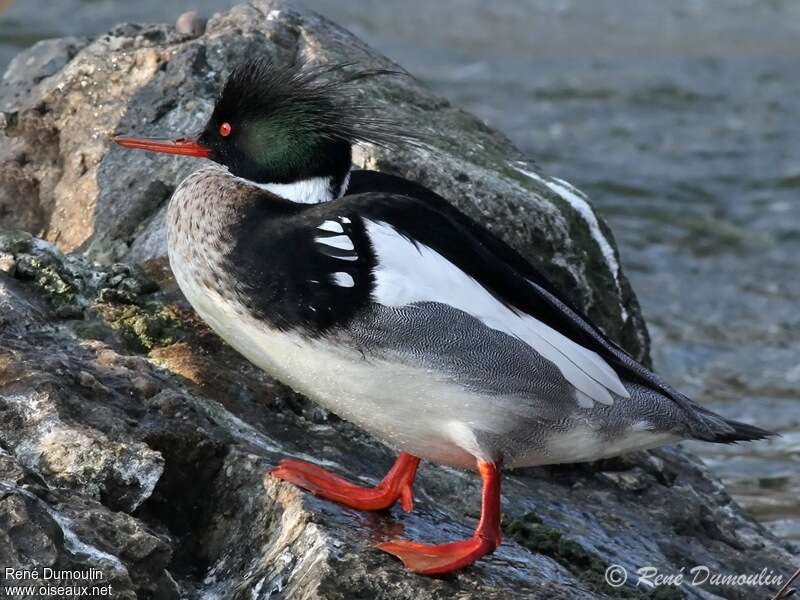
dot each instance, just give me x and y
(284, 275)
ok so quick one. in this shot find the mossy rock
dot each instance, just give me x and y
(145, 327)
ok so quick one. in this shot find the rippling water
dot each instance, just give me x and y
(680, 118)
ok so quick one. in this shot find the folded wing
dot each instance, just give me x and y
(409, 272)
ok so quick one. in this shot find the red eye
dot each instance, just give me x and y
(225, 129)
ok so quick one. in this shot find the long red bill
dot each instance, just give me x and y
(183, 146)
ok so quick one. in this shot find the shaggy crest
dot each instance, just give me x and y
(323, 98)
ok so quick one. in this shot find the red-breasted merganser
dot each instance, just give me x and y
(376, 298)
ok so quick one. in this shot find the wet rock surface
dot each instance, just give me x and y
(133, 441)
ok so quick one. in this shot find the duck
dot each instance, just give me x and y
(376, 298)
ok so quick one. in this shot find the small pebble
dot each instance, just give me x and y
(69, 311)
(89, 381)
(116, 279)
(319, 415)
(120, 269)
(190, 23)
(8, 264)
(144, 386)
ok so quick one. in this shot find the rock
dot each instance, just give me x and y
(8, 264)
(135, 442)
(142, 450)
(42, 60)
(190, 23)
(70, 540)
(54, 472)
(63, 178)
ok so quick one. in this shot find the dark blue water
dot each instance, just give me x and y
(680, 118)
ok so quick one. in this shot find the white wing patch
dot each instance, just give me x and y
(342, 242)
(408, 273)
(343, 279)
(331, 226)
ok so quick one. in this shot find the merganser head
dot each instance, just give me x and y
(288, 129)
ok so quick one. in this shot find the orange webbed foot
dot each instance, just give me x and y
(439, 559)
(396, 485)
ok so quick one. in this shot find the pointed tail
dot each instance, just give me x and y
(718, 429)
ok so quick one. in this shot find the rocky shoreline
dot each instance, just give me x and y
(133, 441)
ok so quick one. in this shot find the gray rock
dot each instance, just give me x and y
(7, 263)
(64, 179)
(135, 442)
(42, 60)
(190, 23)
(132, 440)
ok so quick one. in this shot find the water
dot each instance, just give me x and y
(678, 117)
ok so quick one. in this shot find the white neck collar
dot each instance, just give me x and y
(313, 190)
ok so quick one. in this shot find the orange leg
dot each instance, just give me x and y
(396, 485)
(438, 559)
